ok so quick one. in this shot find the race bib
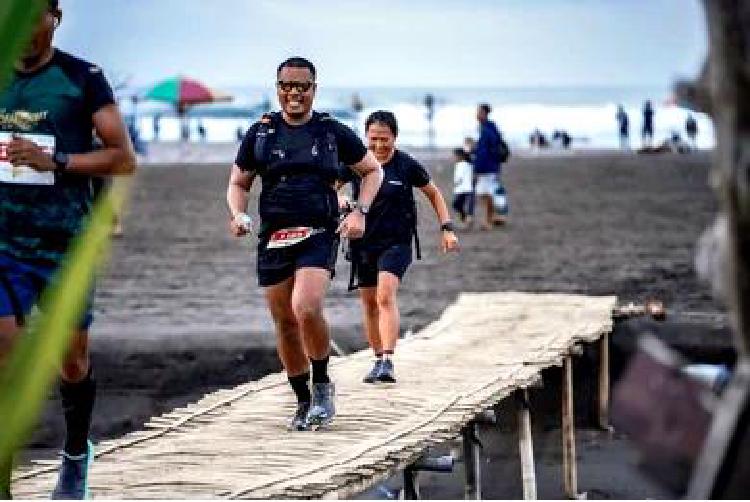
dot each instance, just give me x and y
(24, 175)
(290, 236)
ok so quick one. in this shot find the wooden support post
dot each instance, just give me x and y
(570, 475)
(472, 463)
(604, 382)
(411, 484)
(526, 445)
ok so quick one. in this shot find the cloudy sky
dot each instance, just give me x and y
(435, 43)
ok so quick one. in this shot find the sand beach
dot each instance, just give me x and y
(179, 313)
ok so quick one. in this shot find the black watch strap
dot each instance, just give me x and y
(61, 160)
(448, 227)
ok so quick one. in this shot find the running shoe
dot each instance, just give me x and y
(386, 373)
(73, 477)
(372, 376)
(299, 420)
(322, 409)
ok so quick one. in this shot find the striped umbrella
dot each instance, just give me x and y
(183, 92)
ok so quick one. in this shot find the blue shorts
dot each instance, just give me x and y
(22, 283)
(277, 265)
(394, 259)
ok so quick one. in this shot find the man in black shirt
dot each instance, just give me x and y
(48, 162)
(296, 153)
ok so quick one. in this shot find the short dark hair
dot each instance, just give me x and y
(384, 117)
(461, 154)
(486, 108)
(297, 62)
(53, 4)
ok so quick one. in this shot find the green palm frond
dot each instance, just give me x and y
(17, 18)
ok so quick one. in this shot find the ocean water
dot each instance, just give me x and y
(586, 113)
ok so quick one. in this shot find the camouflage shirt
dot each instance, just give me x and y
(54, 106)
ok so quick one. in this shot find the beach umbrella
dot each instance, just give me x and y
(183, 92)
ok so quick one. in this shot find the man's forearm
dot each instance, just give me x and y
(370, 186)
(104, 162)
(236, 199)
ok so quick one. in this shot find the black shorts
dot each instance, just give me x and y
(277, 265)
(394, 259)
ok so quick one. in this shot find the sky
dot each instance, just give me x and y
(393, 43)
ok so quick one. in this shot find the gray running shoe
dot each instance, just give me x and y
(372, 376)
(322, 409)
(386, 373)
(299, 420)
(73, 477)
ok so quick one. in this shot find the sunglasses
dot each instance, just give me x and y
(298, 86)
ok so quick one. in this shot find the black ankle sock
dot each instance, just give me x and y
(301, 387)
(78, 403)
(320, 370)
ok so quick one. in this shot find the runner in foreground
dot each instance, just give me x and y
(296, 153)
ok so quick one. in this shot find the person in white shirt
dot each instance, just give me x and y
(463, 185)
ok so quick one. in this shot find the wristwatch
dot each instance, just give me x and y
(448, 227)
(363, 208)
(61, 161)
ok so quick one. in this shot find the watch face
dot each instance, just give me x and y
(61, 159)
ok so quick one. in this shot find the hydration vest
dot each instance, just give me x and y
(297, 183)
(361, 254)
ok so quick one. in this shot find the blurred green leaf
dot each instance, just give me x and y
(17, 19)
(36, 358)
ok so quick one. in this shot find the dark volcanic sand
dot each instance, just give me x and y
(179, 312)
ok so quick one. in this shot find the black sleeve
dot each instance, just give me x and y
(351, 148)
(98, 92)
(417, 174)
(346, 175)
(245, 159)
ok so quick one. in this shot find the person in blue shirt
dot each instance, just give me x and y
(487, 165)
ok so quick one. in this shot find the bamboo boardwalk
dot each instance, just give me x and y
(234, 443)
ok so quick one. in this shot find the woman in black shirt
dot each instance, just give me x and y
(380, 258)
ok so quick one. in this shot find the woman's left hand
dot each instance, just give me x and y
(449, 242)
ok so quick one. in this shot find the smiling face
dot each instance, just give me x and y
(295, 88)
(381, 141)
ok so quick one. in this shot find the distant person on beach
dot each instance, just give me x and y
(691, 129)
(463, 185)
(562, 139)
(381, 257)
(49, 113)
(429, 104)
(470, 148)
(201, 131)
(296, 154)
(184, 130)
(538, 140)
(647, 132)
(623, 126)
(156, 126)
(488, 164)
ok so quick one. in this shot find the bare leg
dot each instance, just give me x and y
(288, 339)
(486, 200)
(76, 363)
(389, 318)
(310, 285)
(370, 317)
